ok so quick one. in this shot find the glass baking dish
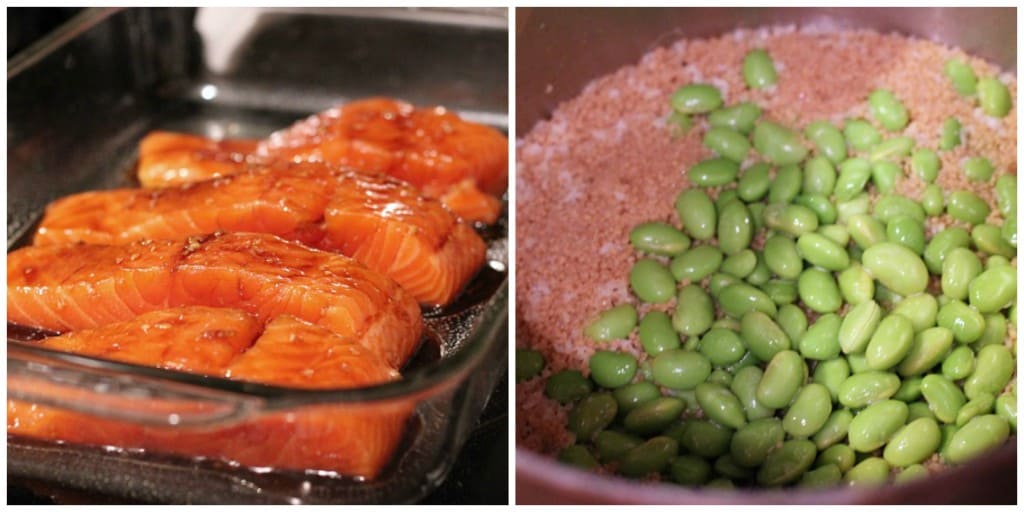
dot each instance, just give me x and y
(80, 100)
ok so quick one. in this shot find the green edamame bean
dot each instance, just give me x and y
(950, 136)
(680, 369)
(856, 285)
(910, 390)
(981, 404)
(651, 281)
(751, 444)
(754, 183)
(820, 205)
(858, 363)
(740, 298)
(853, 176)
(790, 218)
(835, 232)
(944, 398)
(858, 326)
(720, 405)
(825, 476)
(978, 168)
(783, 376)
(633, 395)
(657, 334)
(1006, 408)
(567, 386)
(930, 346)
(777, 144)
(781, 291)
(961, 76)
(866, 388)
(612, 369)
(786, 185)
(884, 175)
(913, 443)
(840, 455)
(978, 436)
(821, 341)
(888, 110)
(659, 238)
(764, 338)
(959, 268)
(787, 464)
(613, 324)
(758, 69)
(694, 311)
(870, 471)
(761, 273)
(925, 164)
(959, 364)
(740, 117)
(782, 257)
(690, 470)
(718, 281)
(890, 343)
(932, 201)
(819, 176)
(591, 415)
(579, 456)
(890, 207)
(831, 373)
(809, 411)
(529, 364)
(941, 244)
(713, 172)
(724, 198)
(994, 334)
(822, 252)
(919, 410)
(989, 238)
(698, 213)
(651, 457)
(892, 149)
(993, 289)
(722, 347)
(735, 228)
(612, 445)
(744, 386)
(696, 99)
(696, 264)
(828, 140)
(706, 438)
(819, 291)
(1009, 231)
(720, 377)
(994, 97)
(728, 143)
(896, 267)
(966, 206)
(792, 320)
(865, 230)
(860, 134)
(859, 205)
(834, 429)
(906, 231)
(654, 416)
(1006, 194)
(965, 322)
(993, 368)
(876, 424)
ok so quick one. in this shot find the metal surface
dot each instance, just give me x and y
(80, 101)
(558, 51)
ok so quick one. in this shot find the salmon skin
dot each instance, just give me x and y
(380, 221)
(290, 352)
(74, 286)
(463, 164)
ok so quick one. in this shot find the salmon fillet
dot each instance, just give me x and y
(431, 148)
(380, 221)
(72, 286)
(350, 440)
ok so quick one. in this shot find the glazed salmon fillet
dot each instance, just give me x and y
(463, 164)
(69, 287)
(383, 222)
(289, 352)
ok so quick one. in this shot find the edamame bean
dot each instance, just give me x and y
(786, 464)
(834, 429)
(914, 443)
(718, 281)
(809, 411)
(940, 244)
(1006, 194)
(782, 257)
(754, 183)
(707, 439)
(869, 387)
(786, 185)
(932, 201)
(858, 363)
(713, 172)
(821, 341)
(820, 205)
(722, 347)
(782, 379)
(890, 207)
(819, 291)
(792, 320)
(651, 281)
(740, 117)
(659, 238)
(761, 273)
(1006, 408)
(961, 76)
(857, 327)
(698, 214)
(944, 398)
(728, 143)
(906, 231)
(690, 470)
(764, 338)
(994, 97)
(910, 390)
(994, 334)
(828, 140)
(993, 289)
(841, 455)
(966, 206)
(870, 471)
(656, 333)
(1009, 230)
(740, 298)
(825, 476)
(751, 444)
(694, 311)
(822, 252)
(981, 404)
(989, 238)
(613, 324)
(853, 176)
(856, 284)
(579, 456)
(654, 416)
(888, 110)
(993, 368)
(777, 144)
(919, 410)
(890, 343)
(860, 134)
(567, 386)
(876, 424)
(884, 175)
(591, 415)
(633, 395)
(612, 445)
(865, 230)
(978, 436)
(696, 99)
(612, 369)
(959, 268)
(831, 373)
(735, 228)
(529, 364)
(930, 346)
(893, 148)
(819, 176)
(680, 369)
(978, 168)
(835, 232)
(959, 364)
(781, 291)
(696, 264)
(720, 405)
(965, 322)
(925, 164)
(758, 69)
(744, 386)
(651, 457)
(950, 136)
(896, 267)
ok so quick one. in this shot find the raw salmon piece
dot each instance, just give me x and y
(380, 221)
(70, 287)
(168, 158)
